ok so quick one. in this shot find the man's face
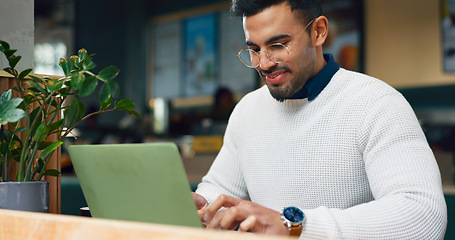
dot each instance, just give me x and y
(278, 24)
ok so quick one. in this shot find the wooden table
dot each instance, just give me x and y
(18, 225)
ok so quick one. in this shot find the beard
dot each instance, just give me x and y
(282, 93)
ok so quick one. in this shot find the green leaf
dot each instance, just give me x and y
(54, 85)
(14, 60)
(29, 98)
(105, 93)
(115, 88)
(5, 97)
(82, 54)
(9, 52)
(17, 140)
(75, 60)
(54, 103)
(13, 115)
(65, 64)
(11, 103)
(104, 105)
(132, 112)
(19, 130)
(44, 144)
(89, 86)
(41, 132)
(36, 114)
(108, 73)
(50, 149)
(4, 44)
(40, 165)
(7, 135)
(124, 104)
(37, 79)
(24, 73)
(8, 108)
(37, 86)
(72, 113)
(52, 172)
(16, 153)
(55, 125)
(88, 64)
(11, 71)
(81, 109)
(66, 91)
(77, 79)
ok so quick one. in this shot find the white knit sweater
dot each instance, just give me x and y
(354, 159)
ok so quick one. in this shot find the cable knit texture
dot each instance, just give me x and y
(354, 159)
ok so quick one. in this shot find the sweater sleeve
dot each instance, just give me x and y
(225, 175)
(403, 176)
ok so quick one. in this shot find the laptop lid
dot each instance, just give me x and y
(139, 182)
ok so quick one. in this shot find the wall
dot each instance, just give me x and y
(115, 31)
(16, 28)
(403, 42)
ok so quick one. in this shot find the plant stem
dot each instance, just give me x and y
(31, 162)
(83, 119)
(43, 170)
(26, 149)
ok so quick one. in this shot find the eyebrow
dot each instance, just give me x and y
(270, 40)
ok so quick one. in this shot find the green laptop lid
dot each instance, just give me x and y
(140, 182)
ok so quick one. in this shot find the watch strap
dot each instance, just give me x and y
(295, 231)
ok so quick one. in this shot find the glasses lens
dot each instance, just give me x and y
(249, 58)
(278, 53)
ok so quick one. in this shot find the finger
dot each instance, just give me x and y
(248, 224)
(231, 218)
(201, 213)
(214, 223)
(224, 219)
(221, 201)
(199, 200)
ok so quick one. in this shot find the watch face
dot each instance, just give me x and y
(293, 214)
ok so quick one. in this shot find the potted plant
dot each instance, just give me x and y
(44, 107)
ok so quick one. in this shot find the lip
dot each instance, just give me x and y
(275, 78)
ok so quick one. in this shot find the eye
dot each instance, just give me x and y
(275, 47)
(253, 49)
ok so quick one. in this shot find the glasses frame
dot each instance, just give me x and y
(258, 54)
(245, 48)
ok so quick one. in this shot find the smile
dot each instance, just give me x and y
(275, 78)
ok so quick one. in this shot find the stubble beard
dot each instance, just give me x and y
(285, 92)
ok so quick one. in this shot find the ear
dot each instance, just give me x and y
(319, 30)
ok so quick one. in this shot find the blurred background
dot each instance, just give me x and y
(177, 61)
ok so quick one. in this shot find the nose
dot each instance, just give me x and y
(265, 63)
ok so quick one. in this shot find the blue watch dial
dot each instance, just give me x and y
(293, 214)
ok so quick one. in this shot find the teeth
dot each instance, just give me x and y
(273, 76)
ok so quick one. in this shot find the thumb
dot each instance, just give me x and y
(199, 200)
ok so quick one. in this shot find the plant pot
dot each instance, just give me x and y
(25, 196)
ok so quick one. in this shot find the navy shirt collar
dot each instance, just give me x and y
(314, 86)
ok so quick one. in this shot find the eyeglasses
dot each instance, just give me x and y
(276, 52)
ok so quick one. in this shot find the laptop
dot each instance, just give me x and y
(143, 182)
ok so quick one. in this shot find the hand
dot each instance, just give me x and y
(199, 200)
(247, 215)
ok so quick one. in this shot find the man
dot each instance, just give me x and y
(342, 149)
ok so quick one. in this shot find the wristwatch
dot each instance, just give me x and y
(293, 218)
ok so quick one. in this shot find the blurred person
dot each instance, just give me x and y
(319, 151)
(223, 104)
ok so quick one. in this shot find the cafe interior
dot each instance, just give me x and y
(178, 64)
